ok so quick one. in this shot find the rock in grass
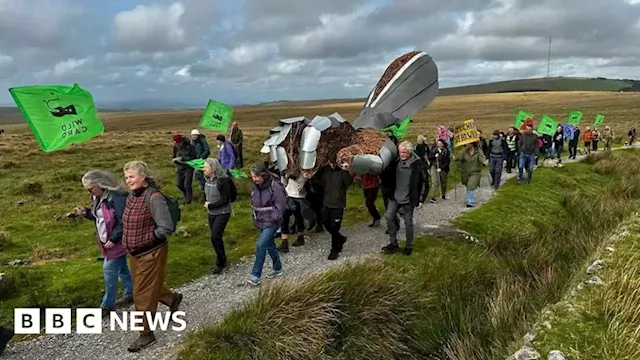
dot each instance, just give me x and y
(595, 267)
(526, 353)
(594, 280)
(530, 336)
(556, 355)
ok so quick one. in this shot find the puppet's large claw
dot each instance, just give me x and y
(375, 163)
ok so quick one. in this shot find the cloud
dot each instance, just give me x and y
(256, 50)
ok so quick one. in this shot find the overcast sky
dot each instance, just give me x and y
(250, 51)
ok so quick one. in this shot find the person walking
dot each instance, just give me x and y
(632, 136)
(558, 144)
(497, 149)
(410, 191)
(268, 204)
(226, 154)
(512, 145)
(184, 151)
(219, 191)
(587, 138)
(596, 139)
(370, 188)
(237, 138)
(528, 152)
(296, 205)
(146, 226)
(203, 151)
(471, 160)
(440, 161)
(573, 143)
(108, 200)
(607, 136)
(422, 149)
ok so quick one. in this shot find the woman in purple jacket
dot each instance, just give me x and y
(108, 201)
(268, 203)
(226, 154)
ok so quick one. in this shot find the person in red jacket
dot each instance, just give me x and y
(371, 185)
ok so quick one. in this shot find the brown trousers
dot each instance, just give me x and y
(148, 273)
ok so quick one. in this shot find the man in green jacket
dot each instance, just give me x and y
(471, 160)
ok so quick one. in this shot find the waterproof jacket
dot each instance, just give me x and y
(587, 136)
(512, 142)
(268, 203)
(418, 180)
(202, 147)
(471, 167)
(112, 206)
(498, 147)
(607, 134)
(529, 144)
(186, 151)
(558, 139)
(440, 159)
(227, 156)
(334, 183)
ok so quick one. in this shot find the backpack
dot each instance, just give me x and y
(172, 203)
(233, 191)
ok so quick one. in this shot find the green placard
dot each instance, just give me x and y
(58, 115)
(548, 126)
(575, 117)
(217, 116)
(599, 120)
(521, 116)
(400, 129)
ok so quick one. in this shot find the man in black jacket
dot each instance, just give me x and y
(410, 184)
(497, 148)
(334, 182)
(573, 143)
(184, 151)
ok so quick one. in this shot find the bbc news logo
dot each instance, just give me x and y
(89, 321)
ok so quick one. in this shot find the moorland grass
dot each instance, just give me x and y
(450, 300)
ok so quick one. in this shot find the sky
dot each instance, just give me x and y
(251, 51)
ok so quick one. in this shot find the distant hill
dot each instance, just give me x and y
(11, 115)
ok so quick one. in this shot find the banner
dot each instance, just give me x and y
(400, 129)
(198, 164)
(575, 117)
(465, 133)
(58, 115)
(527, 122)
(548, 126)
(217, 116)
(599, 120)
(443, 133)
(521, 116)
(568, 131)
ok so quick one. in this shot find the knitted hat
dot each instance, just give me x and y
(177, 138)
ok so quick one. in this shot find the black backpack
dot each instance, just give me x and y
(233, 191)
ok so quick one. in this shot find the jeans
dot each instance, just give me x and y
(557, 151)
(370, 196)
(114, 269)
(217, 224)
(184, 182)
(406, 210)
(266, 244)
(511, 160)
(526, 161)
(495, 169)
(471, 197)
(332, 219)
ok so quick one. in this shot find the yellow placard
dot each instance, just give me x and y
(465, 133)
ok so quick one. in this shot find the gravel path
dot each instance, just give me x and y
(210, 298)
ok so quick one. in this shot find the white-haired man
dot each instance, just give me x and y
(408, 177)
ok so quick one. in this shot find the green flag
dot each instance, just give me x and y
(548, 126)
(197, 164)
(58, 115)
(574, 117)
(238, 174)
(217, 116)
(599, 120)
(521, 116)
(400, 129)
